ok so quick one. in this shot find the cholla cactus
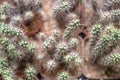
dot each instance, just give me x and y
(61, 52)
(22, 14)
(105, 40)
(14, 47)
(107, 43)
(63, 9)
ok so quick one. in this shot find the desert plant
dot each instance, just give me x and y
(57, 55)
(18, 55)
(59, 51)
(23, 14)
(105, 37)
(14, 47)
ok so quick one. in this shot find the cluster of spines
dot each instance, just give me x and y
(71, 27)
(110, 60)
(30, 71)
(73, 58)
(63, 76)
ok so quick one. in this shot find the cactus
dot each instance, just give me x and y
(22, 14)
(7, 74)
(59, 53)
(14, 46)
(104, 43)
(60, 49)
(96, 31)
(18, 54)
